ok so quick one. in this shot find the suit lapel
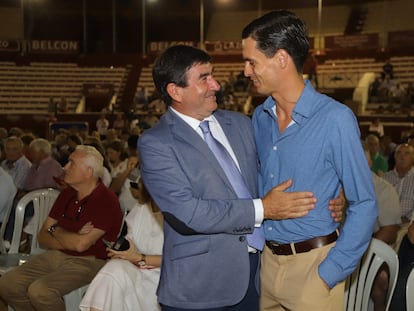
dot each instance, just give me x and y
(187, 139)
(232, 133)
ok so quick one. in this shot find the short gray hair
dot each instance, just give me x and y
(93, 159)
(41, 144)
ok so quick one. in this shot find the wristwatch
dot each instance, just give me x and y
(52, 229)
(142, 262)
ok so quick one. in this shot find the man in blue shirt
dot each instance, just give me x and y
(315, 141)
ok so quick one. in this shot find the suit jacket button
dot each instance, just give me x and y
(242, 238)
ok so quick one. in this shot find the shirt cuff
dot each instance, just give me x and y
(259, 212)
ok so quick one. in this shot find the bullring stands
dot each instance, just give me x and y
(28, 89)
(345, 73)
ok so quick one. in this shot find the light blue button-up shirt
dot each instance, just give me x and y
(321, 151)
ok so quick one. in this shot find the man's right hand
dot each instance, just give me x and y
(278, 204)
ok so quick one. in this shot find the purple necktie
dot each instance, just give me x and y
(255, 239)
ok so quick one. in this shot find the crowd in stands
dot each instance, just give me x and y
(387, 90)
(392, 167)
(29, 162)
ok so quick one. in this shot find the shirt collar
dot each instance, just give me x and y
(303, 108)
(194, 123)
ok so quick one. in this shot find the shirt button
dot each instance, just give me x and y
(271, 175)
(269, 229)
(274, 147)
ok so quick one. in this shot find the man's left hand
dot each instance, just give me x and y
(337, 206)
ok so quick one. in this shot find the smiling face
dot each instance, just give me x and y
(198, 98)
(263, 71)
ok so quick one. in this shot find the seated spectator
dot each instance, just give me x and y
(157, 105)
(7, 189)
(379, 164)
(16, 164)
(117, 157)
(27, 138)
(386, 229)
(374, 90)
(63, 105)
(376, 127)
(61, 148)
(45, 170)
(3, 133)
(73, 141)
(398, 93)
(385, 88)
(95, 142)
(129, 280)
(119, 123)
(141, 99)
(387, 70)
(18, 167)
(402, 178)
(102, 125)
(74, 253)
(111, 136)
(406, 264)
(16, 131)
(121, 183)
(388, 150)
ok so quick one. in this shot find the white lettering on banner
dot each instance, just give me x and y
(162, 45)
(54, 46)
(9, 45)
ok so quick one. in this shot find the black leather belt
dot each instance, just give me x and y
(301, 247)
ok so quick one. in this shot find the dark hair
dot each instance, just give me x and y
(76, 139)
(118, 146)
(280, 30)
(132, 141)
(27, 138)
(172, 66)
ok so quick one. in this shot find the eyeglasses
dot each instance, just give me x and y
(78, 211)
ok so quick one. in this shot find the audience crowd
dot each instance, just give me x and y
(29, 162)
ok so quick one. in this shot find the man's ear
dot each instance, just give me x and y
(174, 91)
(282, 58)
(90, 172)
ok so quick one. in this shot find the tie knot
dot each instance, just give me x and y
(205, 127)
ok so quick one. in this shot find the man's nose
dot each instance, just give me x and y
(247, 70)
(214, 85)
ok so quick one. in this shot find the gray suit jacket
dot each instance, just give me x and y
(205, 259)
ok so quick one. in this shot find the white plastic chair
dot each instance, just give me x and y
(43, 200)
(410, 291)
(359, 284)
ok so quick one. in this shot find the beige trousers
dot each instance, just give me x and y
(292, 283)
(40, 283)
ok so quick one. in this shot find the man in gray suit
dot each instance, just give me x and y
(207, 262)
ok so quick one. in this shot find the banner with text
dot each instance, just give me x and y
(9, 45)
(54, 46)
(398, 39)
(363, 41)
